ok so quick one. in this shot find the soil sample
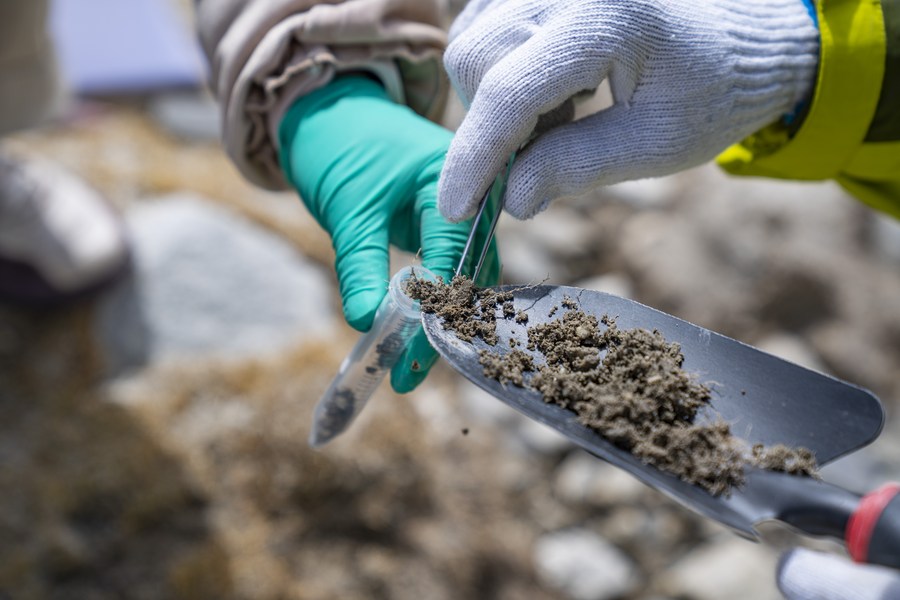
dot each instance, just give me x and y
(468, 311)
(628, 385)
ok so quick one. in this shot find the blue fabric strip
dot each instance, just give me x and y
(791, 118)
(811, 9)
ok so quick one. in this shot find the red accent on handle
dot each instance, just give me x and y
(862, 522)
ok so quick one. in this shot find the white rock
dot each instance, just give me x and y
(793, 349)
(600, 99)
(523, 260)
(485, 408)
(539, 437)
(444, 421)
(746, 211)
(582, 478)
(207, 282)
(559, 232)
(206, 420)
(729, 567)
(611, 283)
(646, 192)
(887, 236)
(583, 565)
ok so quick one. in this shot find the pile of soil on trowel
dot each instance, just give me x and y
(468, 311)
(626, 384)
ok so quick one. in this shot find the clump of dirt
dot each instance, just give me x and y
(467, 310)
(626, 384)
(636, 395)
(793, 461)
(508, 368)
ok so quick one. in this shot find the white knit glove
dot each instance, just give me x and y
(689, 78)
(807, 575)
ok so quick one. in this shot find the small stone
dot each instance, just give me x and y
(729, 567)
(793, 349)
(582, 478)
(610, 283)
(208, 283)
(646, 193)
(207, 419)
(886, 234)
(541, 438)
(560, 233)
(583, 565)
(523, 261)
(482, 407)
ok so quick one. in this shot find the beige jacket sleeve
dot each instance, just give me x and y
(264, 54)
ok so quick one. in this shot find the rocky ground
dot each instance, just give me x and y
(153, 440)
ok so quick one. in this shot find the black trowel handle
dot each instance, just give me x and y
(869, 525)
(873, 530)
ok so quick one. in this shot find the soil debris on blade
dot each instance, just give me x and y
(628, 385)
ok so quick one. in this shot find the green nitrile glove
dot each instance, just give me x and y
(367, 168)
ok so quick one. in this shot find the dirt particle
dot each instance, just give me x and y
(415, 366)
(465, 431)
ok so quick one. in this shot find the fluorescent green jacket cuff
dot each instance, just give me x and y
(858, 59)
(851, 70)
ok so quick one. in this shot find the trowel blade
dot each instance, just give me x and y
(765, 399)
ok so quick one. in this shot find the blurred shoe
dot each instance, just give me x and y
(59, 240)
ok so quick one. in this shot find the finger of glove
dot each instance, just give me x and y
(473, 10)
(499, 30)
(532, 80)
(442, 242)
(414, 364)
(362, 264)
(806, 575)
(618, 144)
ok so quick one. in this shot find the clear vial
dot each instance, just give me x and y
(397, 320)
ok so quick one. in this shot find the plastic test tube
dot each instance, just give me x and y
(397, 320)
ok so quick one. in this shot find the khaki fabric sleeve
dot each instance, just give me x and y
(264, 54)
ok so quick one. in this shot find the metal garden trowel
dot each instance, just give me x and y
(764, 398)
